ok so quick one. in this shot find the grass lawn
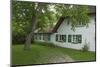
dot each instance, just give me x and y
(40, 54)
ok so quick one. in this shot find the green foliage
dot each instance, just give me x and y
(18, 38)
(80, 15)
(23, 11)
(76, 13)
(22, 16)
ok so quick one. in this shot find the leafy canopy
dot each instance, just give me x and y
(22, 13)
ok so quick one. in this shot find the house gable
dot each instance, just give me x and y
(92, 12)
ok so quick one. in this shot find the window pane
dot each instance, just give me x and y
(64, 38)
(74, 39)
(39, 36)
(69, 38)
(61, 38)
(43, 36)
(79, 39)
(48, 37)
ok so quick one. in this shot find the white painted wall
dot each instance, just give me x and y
(88, 34)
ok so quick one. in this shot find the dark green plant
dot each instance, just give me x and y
(85, 47)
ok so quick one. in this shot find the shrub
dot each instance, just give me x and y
(85, 47)
(18, 38)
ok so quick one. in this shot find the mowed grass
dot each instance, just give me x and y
(40, 54)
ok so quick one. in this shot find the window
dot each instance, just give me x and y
(35, 36)
(74, 39)
(61, 38)
(46, 37)
(79, 39)
(69, 38)
(39, 36)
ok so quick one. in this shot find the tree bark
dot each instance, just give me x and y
(37, 11)
(30, 35)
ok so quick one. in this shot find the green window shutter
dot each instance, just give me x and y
(56, 37)
(43, 36)
(69, 38)
(59, 37)
(39, 36)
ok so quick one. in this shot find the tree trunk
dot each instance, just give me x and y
(37, 11)
(30, 35)
(28, 42)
